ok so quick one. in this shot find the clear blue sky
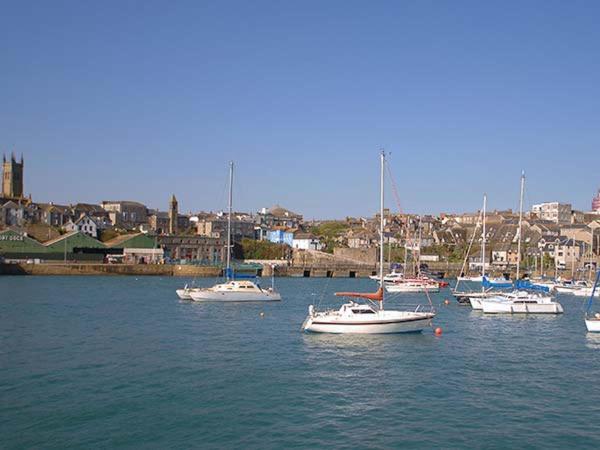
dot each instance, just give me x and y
(138, 100)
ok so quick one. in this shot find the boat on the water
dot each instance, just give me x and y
(417, 284)
(391, 277)
(232, 290)
(570, 286)
(527, 298)
(369, 318)
(586, 292)
(235, 291)
(521, 302)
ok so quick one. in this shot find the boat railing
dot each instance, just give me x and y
(420, 307)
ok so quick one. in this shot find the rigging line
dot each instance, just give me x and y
(399, 206)
(325, 286)
(462, 269)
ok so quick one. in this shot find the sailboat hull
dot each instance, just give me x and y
(207, 295)
(593, 325)
(476, 303)
(498, 307)
(412, 323)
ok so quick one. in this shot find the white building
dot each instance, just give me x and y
(567, 253)
(85, 224)
(553, 211)
(306, 241)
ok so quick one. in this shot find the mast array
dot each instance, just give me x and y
(520, 224)
(381, 201)
(483, 236)
(229, 212)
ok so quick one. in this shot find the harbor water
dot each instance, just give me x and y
(89, 362)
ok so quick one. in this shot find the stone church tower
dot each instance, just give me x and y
(12, 177)
(173, 215)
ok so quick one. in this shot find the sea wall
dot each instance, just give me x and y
(109, 269)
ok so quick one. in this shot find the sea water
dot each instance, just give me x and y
(88, 362)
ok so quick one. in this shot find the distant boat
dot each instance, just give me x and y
(412, 285)
(521, 302)
(391, 277)
(233, 290)
(528, 298)
(369, 318)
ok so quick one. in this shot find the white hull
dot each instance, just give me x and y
(401, 287)
(586, 292)
(207, 295)
(593, 325)
(411, 322)
(478, 279)
(516, 307)
(564, 290)
(476, 303)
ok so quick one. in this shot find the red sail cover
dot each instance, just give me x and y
(377, 296)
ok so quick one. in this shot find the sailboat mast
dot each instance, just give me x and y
(520, 223)
(229, 212)
(483, 234)
(381, 201)
(591, 255)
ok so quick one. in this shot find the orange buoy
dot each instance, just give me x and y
(446, 302)
(438, 331)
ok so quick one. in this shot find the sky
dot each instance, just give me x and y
(139, 100)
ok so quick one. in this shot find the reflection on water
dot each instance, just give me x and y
(361, 341)
(592, 341)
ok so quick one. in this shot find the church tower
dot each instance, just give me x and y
(12, 177)
(173, 214)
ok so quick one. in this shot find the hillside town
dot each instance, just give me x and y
(555, 236)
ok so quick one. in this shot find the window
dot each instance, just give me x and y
(363, 311)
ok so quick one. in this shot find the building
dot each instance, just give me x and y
(53, 215)
(12, 177)
(281, 237)
(596, 202)
(567, 253)
(277, 216)
(306, 241)
(553, 211)
(197, 249)
(12, 213)
(173, 215)
(159, 222)
(125, 213)
(138, 248)
(216, 226)
(85, 224)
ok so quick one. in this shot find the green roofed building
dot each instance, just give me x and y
(139, 240)
(15, 245)
(75, 242)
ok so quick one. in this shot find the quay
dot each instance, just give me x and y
(268, 268)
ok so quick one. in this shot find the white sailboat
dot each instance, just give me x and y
(413, 285)
(474, 298)
(368, 318)
(234, 290)
(391, 277)
(520, 301)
